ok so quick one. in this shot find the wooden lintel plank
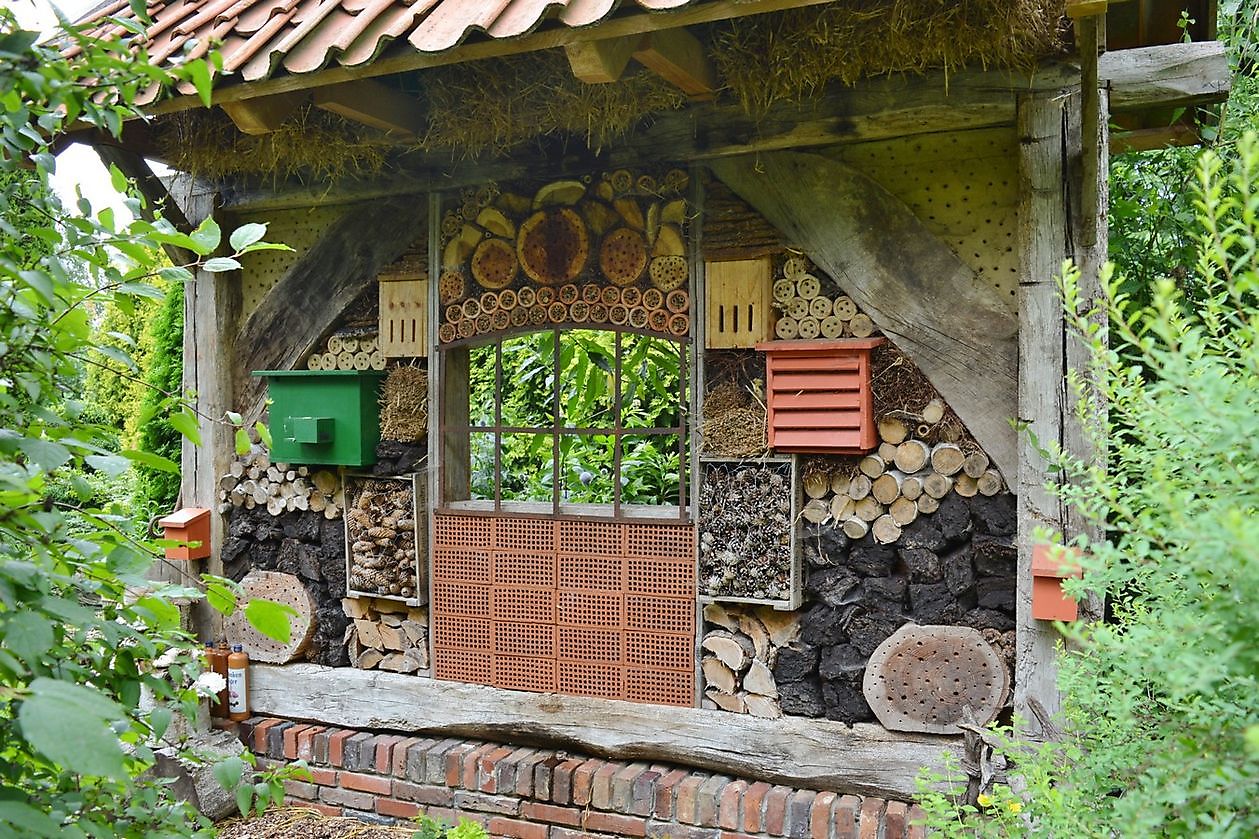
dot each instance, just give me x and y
(814, 753)
(1161, 137)
(264, 114)
(1166, 75)
(374, 104)
(678, 57)
(600, 62)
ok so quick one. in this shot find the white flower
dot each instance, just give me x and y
(209, 684)
(167, 658)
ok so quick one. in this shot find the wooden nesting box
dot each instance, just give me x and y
(737, 305)
(190, 525)
(1048, 572)
(403, 317)
(818, 395)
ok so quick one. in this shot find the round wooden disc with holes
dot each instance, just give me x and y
(808, 286)
(677, 301)
(552, 245)
(922, 677)
(525, 297)
(287, 590)
(450, 286)
(494, 264)
(623, 256)
(653, 298)
(668, 272)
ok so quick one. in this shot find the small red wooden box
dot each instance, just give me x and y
(191, 524)
(818, 395)
(1048, 601)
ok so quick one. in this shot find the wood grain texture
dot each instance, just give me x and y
(817, 754)
(310, 297)
(909, 282)
(1166, 75)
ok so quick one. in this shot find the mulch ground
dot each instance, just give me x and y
(301, 823)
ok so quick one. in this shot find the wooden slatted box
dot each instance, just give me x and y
(818, 395)
(737, 302)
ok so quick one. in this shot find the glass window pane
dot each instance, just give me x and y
(528, 380)
(587, 371)
(527, 467)
(650, 382)
(586, 468)
(650, 469)
(481, 474)
(481, 386)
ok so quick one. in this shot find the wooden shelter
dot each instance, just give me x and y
(804, 258)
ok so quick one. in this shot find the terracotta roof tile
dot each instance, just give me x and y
(259, 39)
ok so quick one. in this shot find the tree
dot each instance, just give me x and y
(77, 649)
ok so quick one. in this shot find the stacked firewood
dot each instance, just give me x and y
(885, 491)
(386, 635)
(351, 349)
(806, 311)
(740, 647)
(381, 536)
(252, 480)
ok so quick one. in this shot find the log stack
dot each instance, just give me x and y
(386, 635)
(810, 306)
(252, 480)
(351, 349)
(740, 647)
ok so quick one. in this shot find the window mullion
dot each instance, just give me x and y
(555, 424)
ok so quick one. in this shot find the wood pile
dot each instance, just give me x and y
(745, 531)
(740, 647)
(350, 349)
(252, 480)
(810, 307)
(381, 536)
(386, 635)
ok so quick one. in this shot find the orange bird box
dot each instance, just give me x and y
(190, 524)
(1048, 572)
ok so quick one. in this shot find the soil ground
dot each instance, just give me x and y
(302, 823)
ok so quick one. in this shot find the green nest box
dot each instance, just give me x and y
(328, 417)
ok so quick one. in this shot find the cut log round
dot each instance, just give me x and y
(832, 327)
(887, 487)
(859, 487)
(816, 511)
(933, 411)
(808, 328)
(887, 451)
(912, 455)
(816, 484)
(947, 459)
(784, 290)
(976, 464)
(844, 308)
(751, 626)
(855, 528)
(719, 676)
(935, 485)
(861, 326)
(731, 702)
(893, 430)
(911, 487)
(885, 530)
(867, 509)
(966, 486)
(990, 482)
(287, 590)
(839, 481)
(820, 308)
(325, 481)
(872, 466)
(808, 286)
(785, 327)
(717, 615)
(623, 256)
(841, 507)
(903, 511)
(763, 707)
(552, 246)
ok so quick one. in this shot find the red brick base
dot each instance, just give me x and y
(527, 793)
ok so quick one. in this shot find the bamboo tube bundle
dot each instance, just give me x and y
(507, 299)
(568, 294)
(579, 312)
(519, 316)
(638, 317)
(599, 313)
(631, 296)
(466, 328)
(526, 297)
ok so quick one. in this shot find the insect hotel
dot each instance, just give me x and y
(646, 385)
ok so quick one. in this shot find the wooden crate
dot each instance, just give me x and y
(403, 318)
(417, 482)
(818, 395)
(737, 309)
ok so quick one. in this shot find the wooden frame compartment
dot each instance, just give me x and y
(356, 527)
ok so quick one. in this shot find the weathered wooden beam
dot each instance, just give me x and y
(374, 104)
(156, 196)
(678, 57)
(819, 754)
(265, 113)
(1166, 75)
(1161, 137)
(914, 287)
(600, 62)
(308, 299)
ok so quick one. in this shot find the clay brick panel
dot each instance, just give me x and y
(366, 783)
(871, 818)
(847, 810)
(517, 829)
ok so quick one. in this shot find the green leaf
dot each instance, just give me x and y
(228, 772)
(234, 418)
(264, 433)
(117, 179)
(44, 453)
(199, 74)
(220, 594)
(245, 235)
(175, 275)
(219, 264)
(153, 461)
(159, 720)
(244, 798)
(271, 619)
(112, 465)
(207, 236)
(29, 635)
(185, 422)
(27, 821)
(242, 441)
(70, 725)
(160, 612)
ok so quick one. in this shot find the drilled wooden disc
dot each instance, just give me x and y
(922, 677)
(668, 272)
(553, 245)
(623, 256)
(494, 264)
(450, 287)
(280, 588)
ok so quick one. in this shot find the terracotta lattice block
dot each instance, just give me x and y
(818, 395)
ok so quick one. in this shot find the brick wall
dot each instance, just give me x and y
(527, 793)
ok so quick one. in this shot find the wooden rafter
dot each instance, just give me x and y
(371, 103)
(601, 62)
(678, 57)
(264, 114)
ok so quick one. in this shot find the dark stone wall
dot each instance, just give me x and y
(955, 566)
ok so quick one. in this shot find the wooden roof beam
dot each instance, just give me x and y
(372, 103)
(601, 62)
(264, 114)
(678, 57)
(1166, 75)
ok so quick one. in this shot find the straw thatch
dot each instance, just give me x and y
(404, 404)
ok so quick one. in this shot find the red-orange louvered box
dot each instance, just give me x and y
(818, 394)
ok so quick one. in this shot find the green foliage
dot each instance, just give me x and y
(1161, 703)
(156, 489)
(430, 828)
(253, 790)
(113, 391)
(78, 648)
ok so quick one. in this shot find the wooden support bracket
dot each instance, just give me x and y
(1077, 9)
(600, 62)
(265, 114)
(678, 57)
(372, 103)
